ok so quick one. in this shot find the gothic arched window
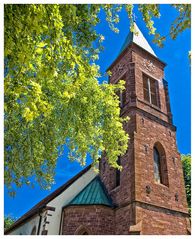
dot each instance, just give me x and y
(157, 169)
(82, 230)
(160, 165)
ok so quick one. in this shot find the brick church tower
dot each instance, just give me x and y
(149, 193)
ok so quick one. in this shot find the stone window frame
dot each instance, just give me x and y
(151, 92)
(163, 168)
(122, 94)
(82, 230)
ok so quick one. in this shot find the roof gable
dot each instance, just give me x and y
(93, 193)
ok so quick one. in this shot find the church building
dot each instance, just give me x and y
(148, 196)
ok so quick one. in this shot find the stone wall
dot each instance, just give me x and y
(171, 196)
(96, 220)
(159, 221)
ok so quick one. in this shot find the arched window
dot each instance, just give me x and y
(157, 169)
(82, 230)
(33, 232)
(160, 165)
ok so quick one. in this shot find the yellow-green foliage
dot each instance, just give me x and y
(8, 221)
(186, 163)
(52, 94)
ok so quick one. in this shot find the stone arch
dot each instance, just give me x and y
(159, 150)
(82, 230)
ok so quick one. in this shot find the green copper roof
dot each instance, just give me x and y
(93, 193)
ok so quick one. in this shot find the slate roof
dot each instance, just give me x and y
(93, 194)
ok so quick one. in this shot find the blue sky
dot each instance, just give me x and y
(177, 73)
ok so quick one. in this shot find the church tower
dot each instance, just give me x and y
(149, 193)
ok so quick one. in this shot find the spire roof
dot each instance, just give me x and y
(138, 39)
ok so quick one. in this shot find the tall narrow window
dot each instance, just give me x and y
(157, 166)
(150, 88)
(160, 165)
(122, 94)
(122, 98)
(118, 173)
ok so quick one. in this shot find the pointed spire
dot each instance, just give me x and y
(138, 39)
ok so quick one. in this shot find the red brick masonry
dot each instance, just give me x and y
(96, 220)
